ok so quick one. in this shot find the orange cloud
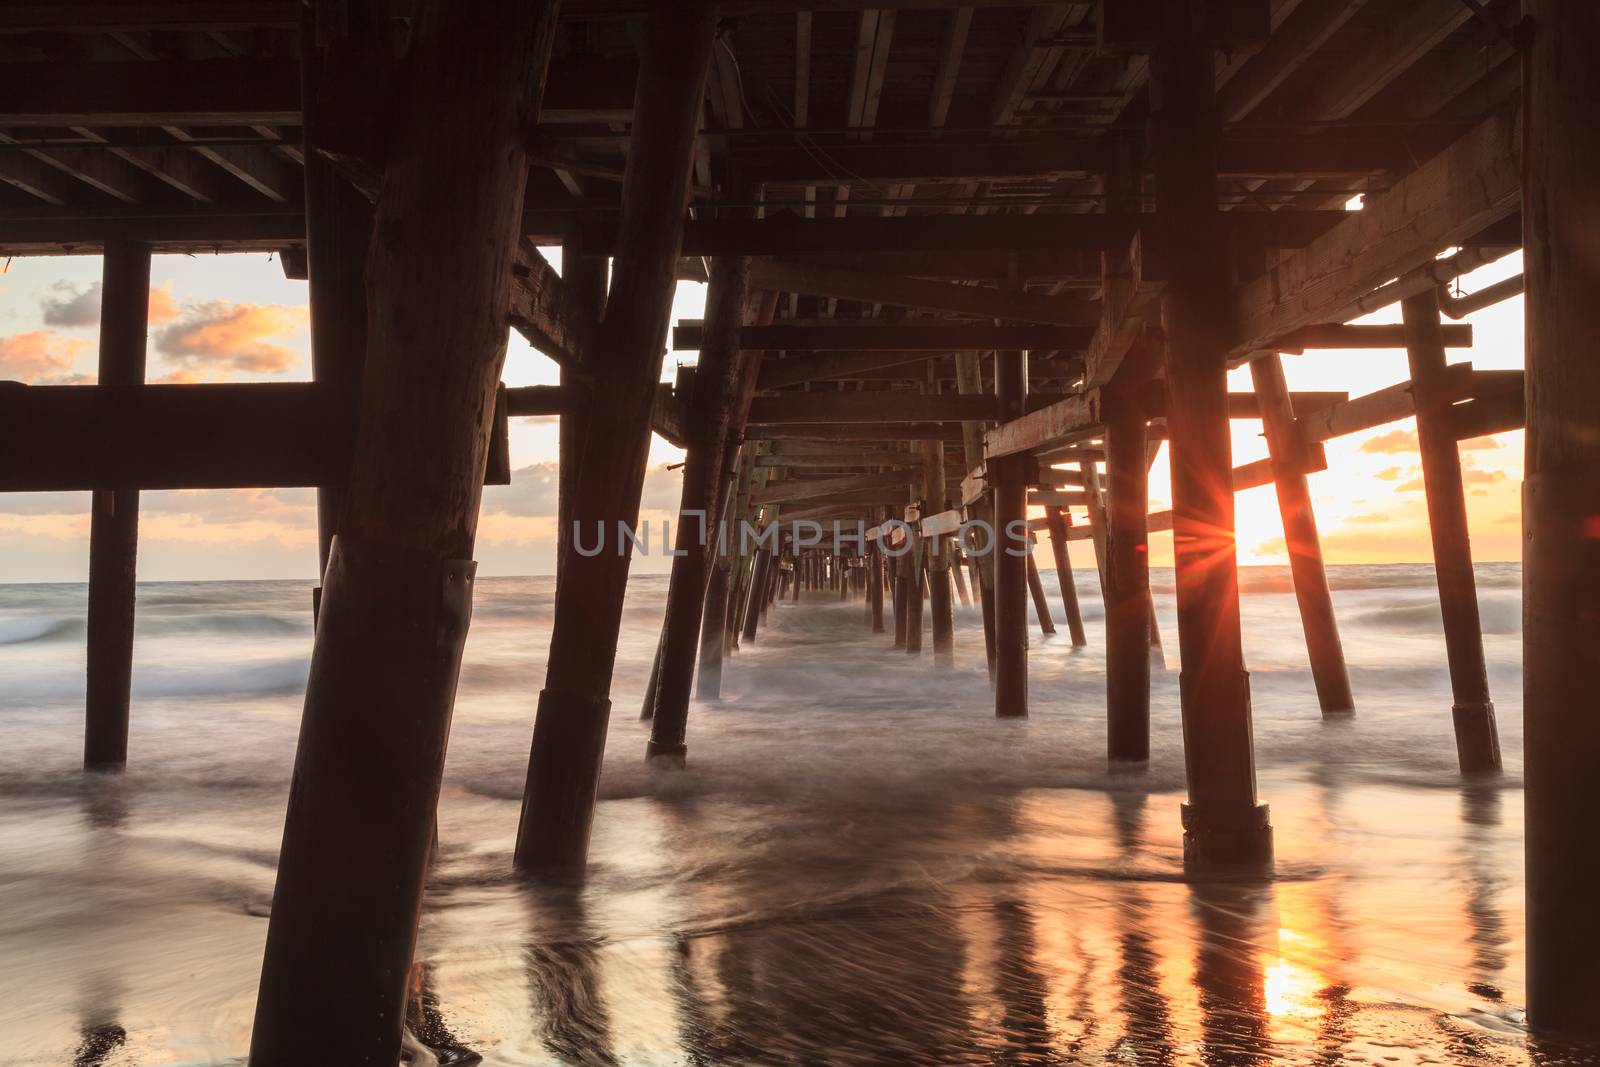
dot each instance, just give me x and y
(1392, 474)
(41, 357)
(1392, 442)
(163, 308)
(222, 338)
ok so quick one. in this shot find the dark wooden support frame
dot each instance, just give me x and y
(114, 523)
(1287, 448)
(1224, 823)
(398, 587)
(1561, 497)
(574, 707)
(1477, 738)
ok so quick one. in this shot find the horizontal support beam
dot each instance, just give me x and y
(797, 370)
(790, 235)
(1053, 424)
(99, 16)
(861, 431)
(256, 435)
(875, 288)
(540, 311)
(1383, 336)
(240, 91)
(941, 337)
(1450, 198)
(791, 489)
(873, 407)
(1254, 156)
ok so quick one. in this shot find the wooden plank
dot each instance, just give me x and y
(1259, 155)
(1056, 498)
(1386, 405)
(99, 16)
(529, 400)
(258, 435)
(1450, 198)
(840, 458)
(1384, 336)
(171, 92)
(668, 417)
(809, 489)
(82, 230)
(863, 431)
(791, 235)
(865, 407)
(796, 370)
(1060, 421)
(540, 311)
(874, 288)
(906, 337)
(255, 435)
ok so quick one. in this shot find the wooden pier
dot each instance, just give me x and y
(970, 265)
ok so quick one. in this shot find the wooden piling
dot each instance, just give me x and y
(574, 708)
(969, 382)
(758, 593)
(1057, 522)
(958, 572)
(1284, 444)
(1561, 502)
(1127, 588)
(338, 235)
(711, 411)
(1477, 738)
(583, 287)
(114, 522)
(1041, 606)
(941, 611)
(1011, 549)
(875, 587)
(1224, 823)
(911, 569)
(397, 591)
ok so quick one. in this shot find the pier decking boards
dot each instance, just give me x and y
(975, 272)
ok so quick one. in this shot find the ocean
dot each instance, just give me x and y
(859, 865)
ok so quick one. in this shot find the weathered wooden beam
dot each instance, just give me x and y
(1561, 499)
(1472, 713)
(540, 311)
(1060, 421)
(171, 92)
(796, 370)
(100, 16)
(875, 288)
(938, 337)
(82, 230)
(812, 488)
(574, 707)
(868, 407)
(1382, 336)
(1224, 823)
(397, 594)
(1458, 193)
(178, 437)
(114, 523)
(254, 435)
(1260, 156)
(1386, 405)
(863, 431)
(791, 235)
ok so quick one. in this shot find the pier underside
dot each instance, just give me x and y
(971, 270)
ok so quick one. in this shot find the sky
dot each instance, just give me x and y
(237, 318)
